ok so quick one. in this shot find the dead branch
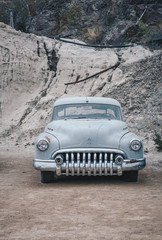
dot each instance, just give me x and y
(85, 79)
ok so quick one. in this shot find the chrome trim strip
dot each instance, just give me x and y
(89, 164)
(67, 157)
(136, 160)
(94, 164)
(88, 150)
(119, 170)
(78, 168)
(100, 167)
(72, 156)
(73, 168)
(67, 164)
(72, 164)
(78, 164)
(58, 170)
(105, 158)
(83, 164)
(111, 164)
(106, 168)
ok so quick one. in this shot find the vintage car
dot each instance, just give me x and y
(88, 137)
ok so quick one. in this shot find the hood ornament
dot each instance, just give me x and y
(89, 141)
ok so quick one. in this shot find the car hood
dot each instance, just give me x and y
(87, 133)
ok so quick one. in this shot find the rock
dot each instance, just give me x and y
(104, 21)
(34, 71)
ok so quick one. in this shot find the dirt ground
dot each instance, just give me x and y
(78, 207)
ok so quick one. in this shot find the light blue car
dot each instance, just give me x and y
(88, 137)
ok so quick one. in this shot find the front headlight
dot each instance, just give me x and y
(42, 145)
(135, 145)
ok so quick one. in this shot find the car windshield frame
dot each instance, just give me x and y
(87, 111)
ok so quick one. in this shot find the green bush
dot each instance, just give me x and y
(157, 141)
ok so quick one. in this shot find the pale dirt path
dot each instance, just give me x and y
(79, 208)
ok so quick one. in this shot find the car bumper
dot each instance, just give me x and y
(89, 168)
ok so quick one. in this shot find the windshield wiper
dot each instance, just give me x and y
(78, 117)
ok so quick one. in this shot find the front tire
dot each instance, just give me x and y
(47, 177)
(130, 176)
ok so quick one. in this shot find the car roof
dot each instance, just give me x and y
(73, 100)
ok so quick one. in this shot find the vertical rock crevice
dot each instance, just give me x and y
(52, 58)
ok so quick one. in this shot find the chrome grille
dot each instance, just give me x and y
(87, 156)
(91, 162)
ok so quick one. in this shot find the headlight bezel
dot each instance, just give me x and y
(134, 143)
(42, 145)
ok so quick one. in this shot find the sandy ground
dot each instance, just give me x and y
(73, 208)
(78, 208)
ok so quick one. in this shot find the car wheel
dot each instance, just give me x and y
(47, 177)
(130, 176)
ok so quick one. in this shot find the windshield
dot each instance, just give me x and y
(87, 110)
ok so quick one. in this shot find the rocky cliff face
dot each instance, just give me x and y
(34, 71)
(104, 21)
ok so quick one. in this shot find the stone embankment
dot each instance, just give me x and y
(34, 71)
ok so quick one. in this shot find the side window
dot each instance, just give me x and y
(58, 113)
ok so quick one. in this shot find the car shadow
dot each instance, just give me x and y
(89, 180)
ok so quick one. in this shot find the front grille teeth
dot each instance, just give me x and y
(88, 163)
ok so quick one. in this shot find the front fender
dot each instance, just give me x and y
(54, 145)
(124, 145)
